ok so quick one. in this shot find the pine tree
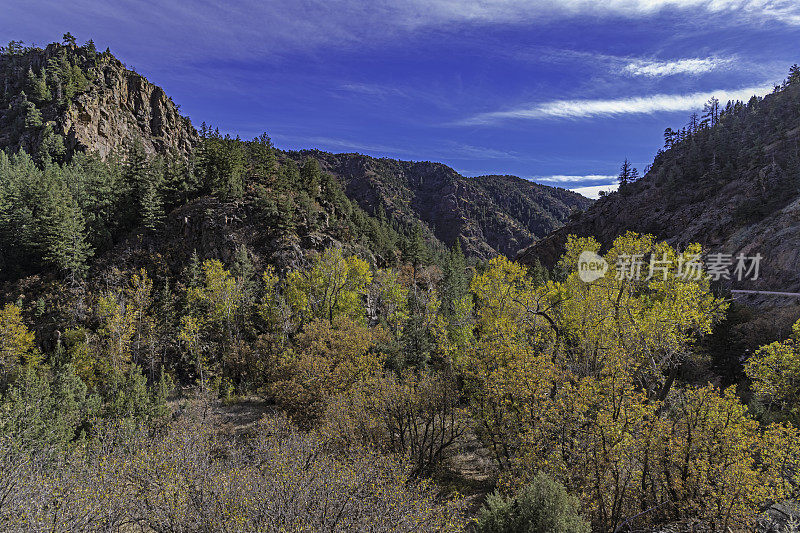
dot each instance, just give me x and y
(261, 156)
(310, 176)
(288, 176)
(36, 87)
(65, 238)
(539, 273)
(625, 173)
(244, 271)
(135, 182)
(455, 282)
(694, 123)
(711, 112)
(161, 393)
(51, 147)
(56, 77)
(136, 164)
(285, 214)
(232, 185)
(33, 117)
(143, 179)
(416, 339)
(90, 48)
(416, 251)
(221, 164)
(194, 271)
(152, 209)
(794, 75)
(670, 136)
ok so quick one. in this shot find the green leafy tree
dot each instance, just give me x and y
(216, 313)
(17, 347)
(774, 370)
(333, 286)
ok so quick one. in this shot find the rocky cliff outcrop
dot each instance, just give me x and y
(126, 107)
(89, 100)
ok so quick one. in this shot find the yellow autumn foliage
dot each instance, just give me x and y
(577, 379)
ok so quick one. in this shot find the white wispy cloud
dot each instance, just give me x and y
(511, 11)
(460, 151)
(593, 192)
(574, 179)
(636, 66)
(214, 28)
(371, 89)
(331, 143)
(588, 185)
(575, 109)
(693, 66)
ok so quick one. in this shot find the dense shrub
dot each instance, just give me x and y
(544, 506)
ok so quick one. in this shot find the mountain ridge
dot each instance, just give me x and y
(475, 212)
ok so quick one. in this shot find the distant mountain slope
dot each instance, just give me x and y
(486, 215)
(67, 98)
(541, 209)
(732, 185)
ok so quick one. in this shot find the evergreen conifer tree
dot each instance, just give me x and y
(65, 242)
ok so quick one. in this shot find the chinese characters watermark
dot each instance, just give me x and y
(639, 267)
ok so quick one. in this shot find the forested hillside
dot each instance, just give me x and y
(729, 179)
(485, 215)
(131, 159)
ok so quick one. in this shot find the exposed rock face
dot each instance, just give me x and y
(124, 106)
(488, 215)
(111, 107)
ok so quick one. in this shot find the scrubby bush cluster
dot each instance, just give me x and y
(186, 477)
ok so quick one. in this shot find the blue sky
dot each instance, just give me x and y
(555, 91)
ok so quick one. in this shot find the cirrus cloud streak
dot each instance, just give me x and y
(693, 66)
(587, 108)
